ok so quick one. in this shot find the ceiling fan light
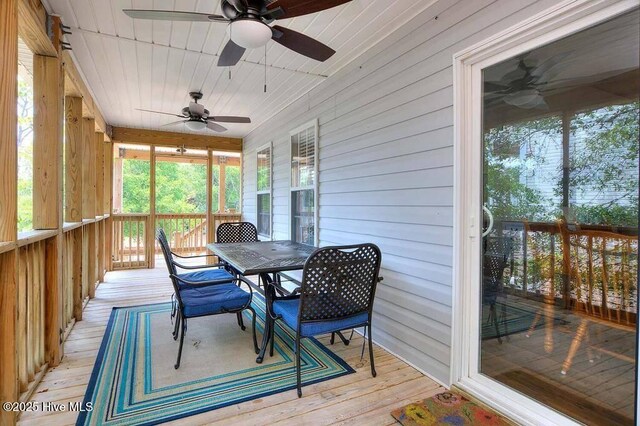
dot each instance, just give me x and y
(249, 33)
(523, 98)
(196, 126)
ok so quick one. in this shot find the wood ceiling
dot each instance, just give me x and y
(153, 65)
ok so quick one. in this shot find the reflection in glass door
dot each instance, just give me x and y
(560, 247)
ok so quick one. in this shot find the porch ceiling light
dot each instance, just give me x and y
(195, 125)
(249, 33)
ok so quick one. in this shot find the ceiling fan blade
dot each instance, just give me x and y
(173, 123)
(494, 87)
(230, 119)
(292, 8)
(216, 127)
(230, 55)
(196, 109)
(302, 44)
(170, 15)
(159, 112)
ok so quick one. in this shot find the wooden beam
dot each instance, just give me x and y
(53, 300)
(88, 169)
(32, 27)
(99, 170)
(73, 148)
(77, 274)
(116, 198)
(92, 264)
(155, 137)
(75, 86)
(108, 163)
(47, 145)
(8, 119)
(8, 203)
(151, 226)
(222, 188)
(133, 154)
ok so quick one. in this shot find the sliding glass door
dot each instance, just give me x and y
(559, 250)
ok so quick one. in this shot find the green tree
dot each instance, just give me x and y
(25, 155)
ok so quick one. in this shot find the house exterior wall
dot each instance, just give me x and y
(386, 174)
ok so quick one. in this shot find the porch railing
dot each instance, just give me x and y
(590, 269)
(187, 233)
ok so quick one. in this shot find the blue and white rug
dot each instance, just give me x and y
(134, 382)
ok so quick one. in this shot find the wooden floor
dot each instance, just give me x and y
(599, 383)
(353, 399)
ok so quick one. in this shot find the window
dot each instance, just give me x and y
(263, 188)
(304, 180)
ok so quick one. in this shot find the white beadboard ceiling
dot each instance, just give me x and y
(153, 65)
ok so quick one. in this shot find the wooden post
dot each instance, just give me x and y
(92, 264)
(47, 144)
(8, 119)
(77, 274)
(99, 170)
(151, 226)
(222, 183)
(53, 297)
(108, 163)
(8, 203)
(116, 200)
(73, 151)
(99, 226)
(88, 169)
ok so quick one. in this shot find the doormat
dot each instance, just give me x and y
(447, 408)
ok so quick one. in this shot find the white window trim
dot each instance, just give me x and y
(268, 146)
(563, 19)
(315, 186)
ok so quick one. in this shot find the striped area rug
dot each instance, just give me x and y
(134, 382)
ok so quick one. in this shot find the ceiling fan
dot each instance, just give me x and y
(524, 86)
(248, 25)
(196, 117)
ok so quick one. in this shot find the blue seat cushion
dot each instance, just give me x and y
(213, 299)
(288, 310)
(206, 275)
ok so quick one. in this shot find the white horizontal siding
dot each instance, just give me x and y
(386, 166)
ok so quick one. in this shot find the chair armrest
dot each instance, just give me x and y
(217, 265)
(192, 257)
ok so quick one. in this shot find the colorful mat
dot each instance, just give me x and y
(447, 408)
(134, 382)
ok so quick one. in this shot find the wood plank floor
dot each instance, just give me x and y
(353, 399)
(601, 377)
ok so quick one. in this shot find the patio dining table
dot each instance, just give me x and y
(265, 259)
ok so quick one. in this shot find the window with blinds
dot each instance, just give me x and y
(263, 187)
(303, 184)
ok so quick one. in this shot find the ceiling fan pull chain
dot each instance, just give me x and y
(265, 68)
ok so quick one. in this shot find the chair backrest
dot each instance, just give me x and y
(236, 232)
(497, 254)
(166, 251)
(339, 282)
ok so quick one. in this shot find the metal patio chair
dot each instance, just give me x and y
(198, 298)
(200, 274)
(337, 292)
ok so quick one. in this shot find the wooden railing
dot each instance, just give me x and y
(132, 236)
(130, 241)
(590, 269)
(31, 313)
(187, 233)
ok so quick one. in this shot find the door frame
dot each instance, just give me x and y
(562, 20)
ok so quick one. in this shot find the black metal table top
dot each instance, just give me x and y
(263, 256)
